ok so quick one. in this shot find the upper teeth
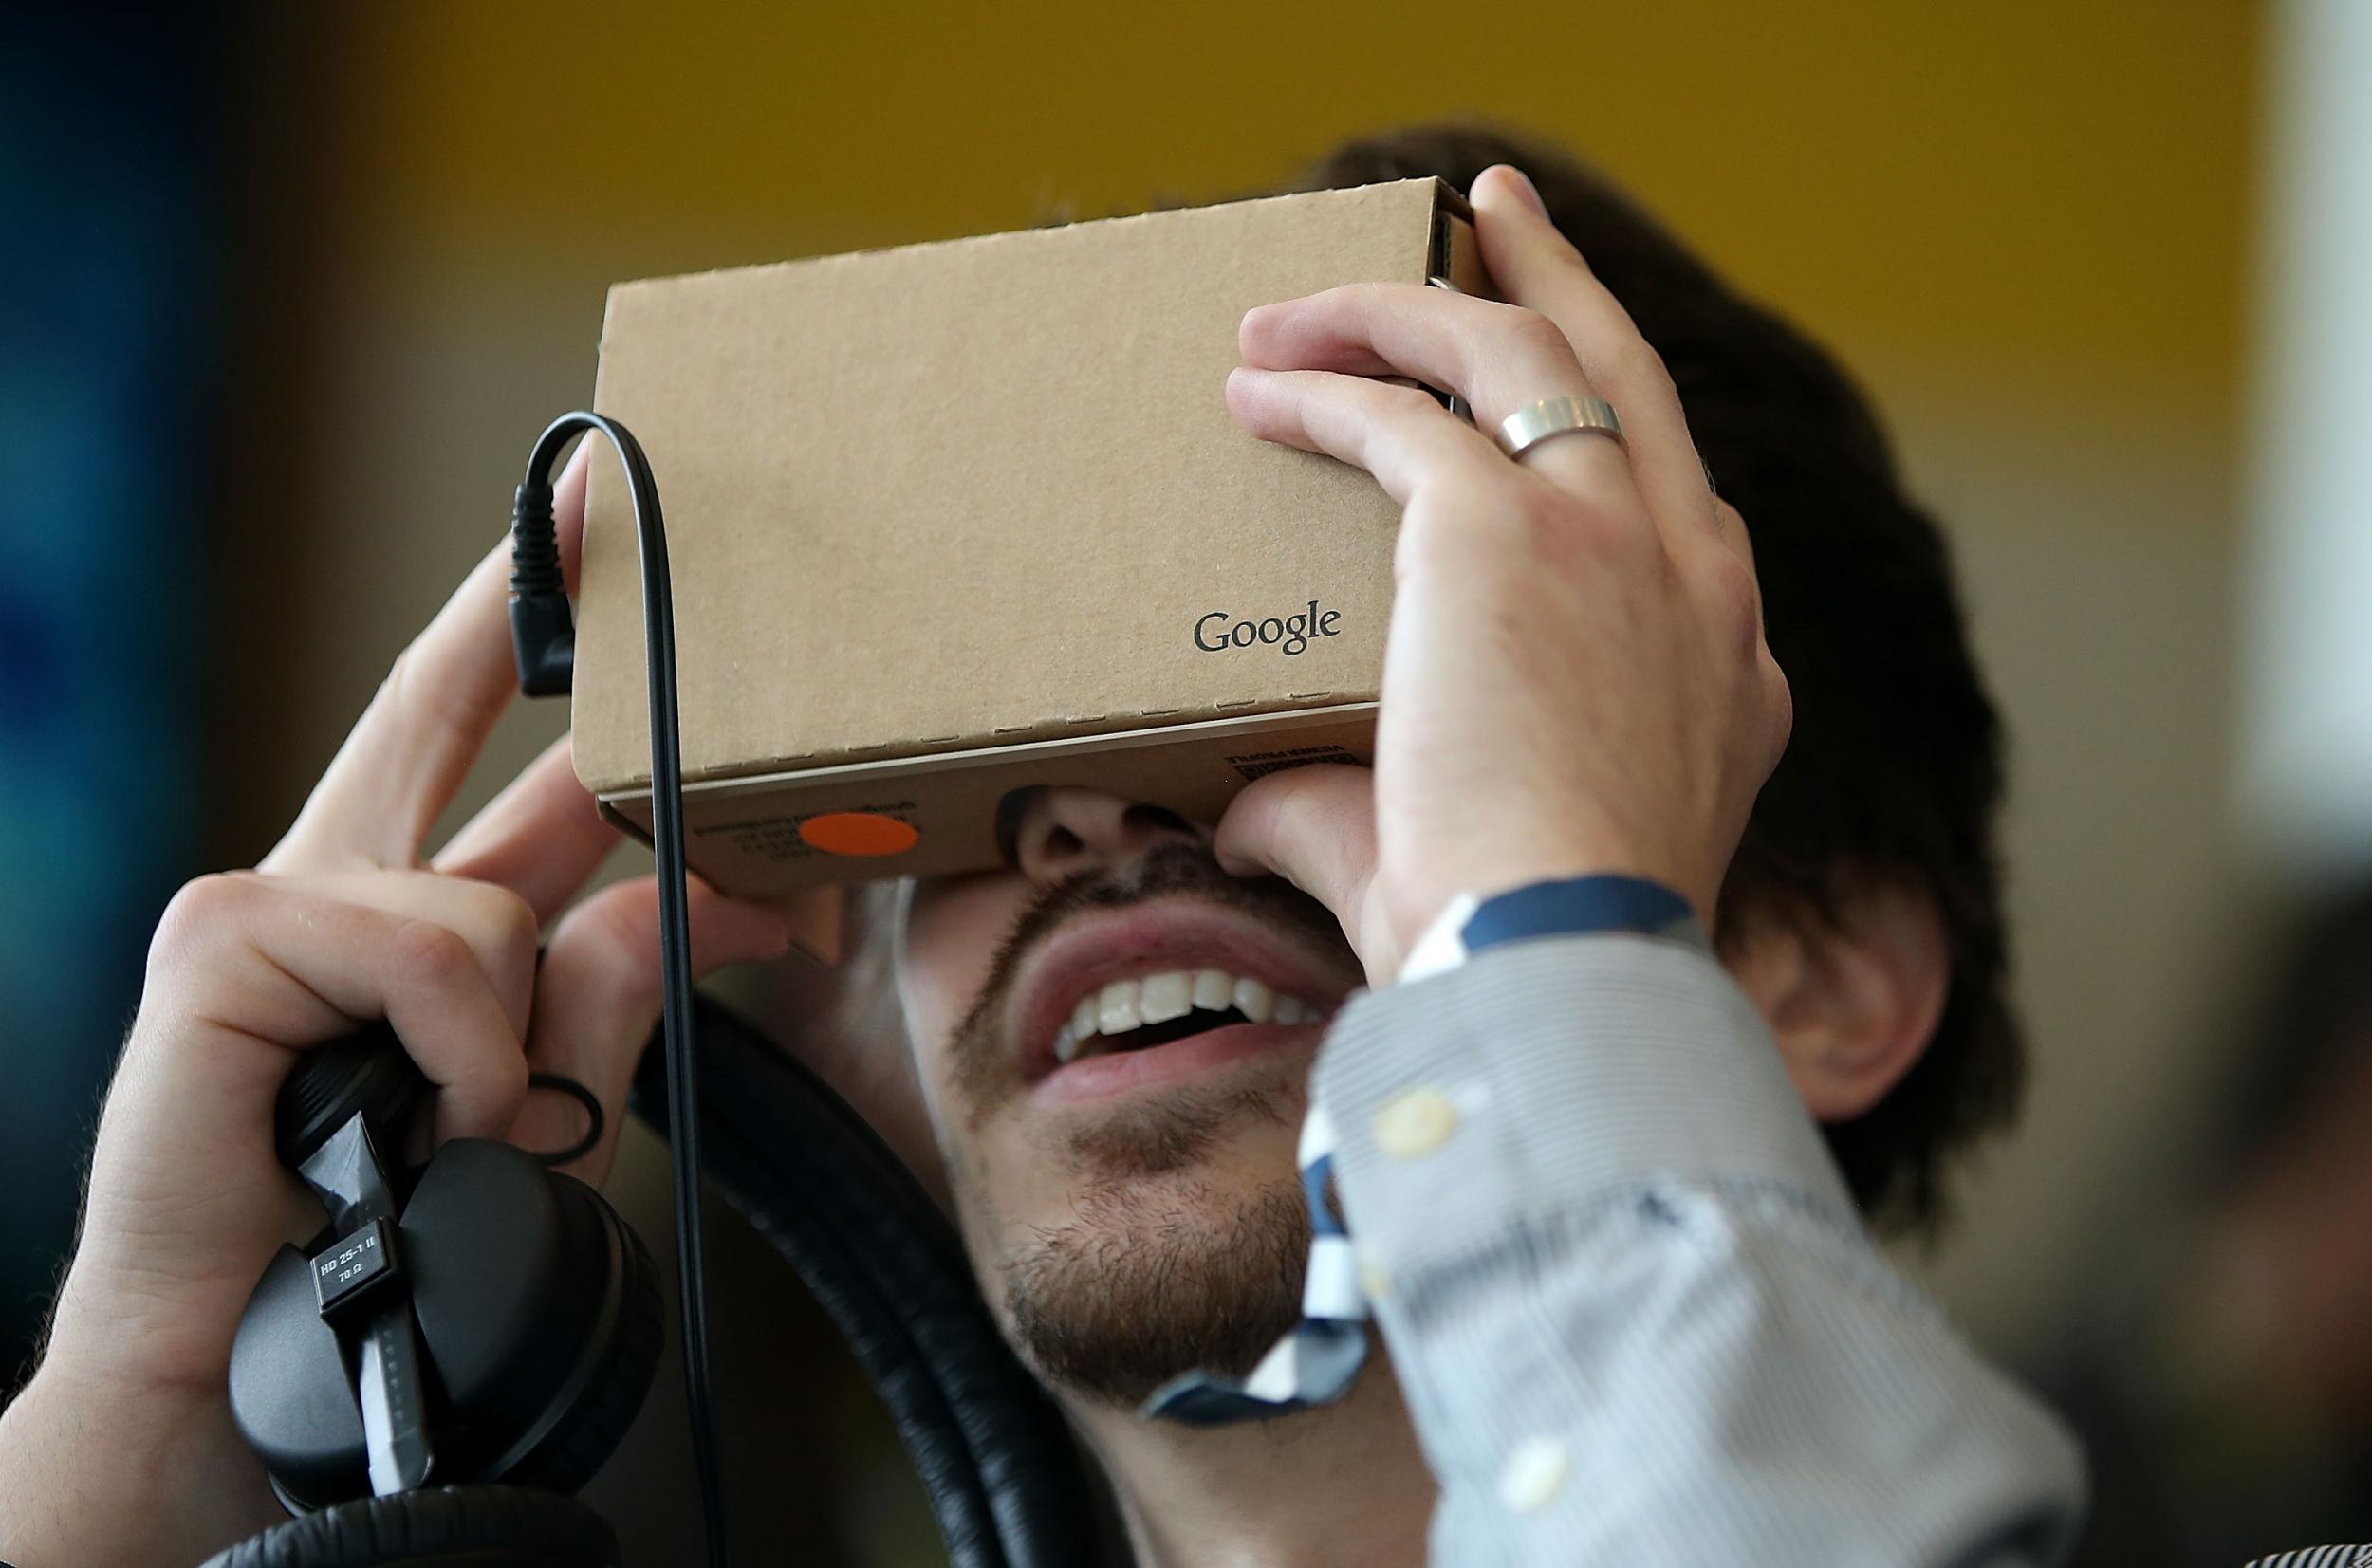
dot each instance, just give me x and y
(1158, 998)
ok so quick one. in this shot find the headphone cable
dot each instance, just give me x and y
(543, 640)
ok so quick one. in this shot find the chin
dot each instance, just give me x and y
(1132, 1282)
(1123, 1246)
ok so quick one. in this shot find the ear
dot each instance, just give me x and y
(1851, 998)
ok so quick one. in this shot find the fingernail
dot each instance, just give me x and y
(1525, 187)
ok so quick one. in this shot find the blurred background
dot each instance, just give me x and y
(285, 291)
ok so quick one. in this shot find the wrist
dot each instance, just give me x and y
(88, 1415)
(93, 1469)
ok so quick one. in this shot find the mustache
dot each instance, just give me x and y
(984, 1061)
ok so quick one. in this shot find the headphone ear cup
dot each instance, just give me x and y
(585, 1438)
(442, 1527)
(539, 1312)
(540, 1322)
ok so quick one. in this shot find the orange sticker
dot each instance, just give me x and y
(859, 833)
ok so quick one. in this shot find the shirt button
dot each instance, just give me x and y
(1533, 1475)
(1414, 1124)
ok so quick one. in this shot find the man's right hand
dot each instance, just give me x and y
(122, 1450)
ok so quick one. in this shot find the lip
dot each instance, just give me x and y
(1177, 932)
(1157, 1066)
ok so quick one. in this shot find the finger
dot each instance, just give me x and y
(414, 743)
(1397, 434)
(569, 512)
(1536, 266)
(1730, 530)
(1315, 826)
(1499, 358)
(497, 925)
(1730, 534)
(1779, 705)
(541, 837)
(817, 919)
(599, 996)
(278, 963)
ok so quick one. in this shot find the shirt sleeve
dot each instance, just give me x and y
(1635, 1315)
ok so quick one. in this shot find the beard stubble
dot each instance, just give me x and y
(1166, 1262)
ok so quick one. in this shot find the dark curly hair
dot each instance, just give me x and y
(1895, 769)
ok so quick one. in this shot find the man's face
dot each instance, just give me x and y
(1114, 1038)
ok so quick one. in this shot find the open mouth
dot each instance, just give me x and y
(1158, 994)
(1157, 1009)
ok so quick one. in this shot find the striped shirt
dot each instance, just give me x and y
(1634, 1311)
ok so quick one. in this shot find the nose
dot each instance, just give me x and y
(1061, 832)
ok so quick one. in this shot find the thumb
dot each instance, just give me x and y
(1315, 826)
(597, 996)
(568, 509)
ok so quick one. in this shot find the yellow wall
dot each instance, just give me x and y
(2023, 190)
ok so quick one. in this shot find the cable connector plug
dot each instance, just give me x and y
(543, 634)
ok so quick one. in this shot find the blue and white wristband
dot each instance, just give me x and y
(1575, 906)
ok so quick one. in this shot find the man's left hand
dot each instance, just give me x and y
(1575, 680)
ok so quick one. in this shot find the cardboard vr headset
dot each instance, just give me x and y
(954, 521)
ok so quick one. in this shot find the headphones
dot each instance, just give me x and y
(537, 1318)
(479, 1319)
(485, 1323)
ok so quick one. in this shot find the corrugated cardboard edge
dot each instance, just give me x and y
(752, 837)
(887, 768)
(1446, 200)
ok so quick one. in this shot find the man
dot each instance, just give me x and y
(1625, 1307)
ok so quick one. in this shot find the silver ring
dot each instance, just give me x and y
(1528, 427)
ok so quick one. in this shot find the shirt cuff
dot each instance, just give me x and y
(1570, 906)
